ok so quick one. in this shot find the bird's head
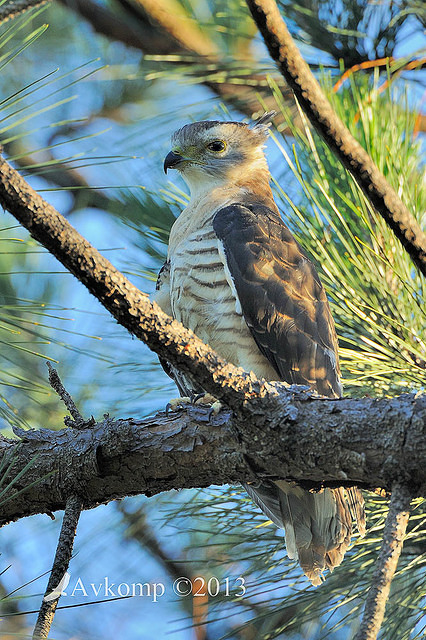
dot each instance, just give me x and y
(210, 151)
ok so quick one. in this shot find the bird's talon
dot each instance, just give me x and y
(205, 398)
(214, 409)
(175, 403)
(197, 397)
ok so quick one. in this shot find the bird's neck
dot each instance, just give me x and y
(236, 187)
(257, 187)
(208, 196)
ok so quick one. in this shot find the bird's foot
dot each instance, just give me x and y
(196, 399)
(207, 398)
(174, 403)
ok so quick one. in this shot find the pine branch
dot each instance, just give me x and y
(364, 442)
(59, 569)
(296, 72)
(275, 431)
(394, 531)
(68, 530)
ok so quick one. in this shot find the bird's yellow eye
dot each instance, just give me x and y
(217, 146)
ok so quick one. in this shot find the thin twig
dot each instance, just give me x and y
(59, 568)
(393, 534)
(56, 384)
(72, 513)
(353, 156)
(394, 65)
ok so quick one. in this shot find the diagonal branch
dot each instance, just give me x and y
(319, 111)
(393, 535)
(129, 306)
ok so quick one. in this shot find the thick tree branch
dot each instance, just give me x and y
(273, 431)
(320, 113)
(367, 442)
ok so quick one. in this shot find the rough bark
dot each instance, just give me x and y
(316, 442)
(60, 566)
(393, 537)
(273, 431)
(337, 136)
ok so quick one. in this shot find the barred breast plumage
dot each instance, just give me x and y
(203, 298)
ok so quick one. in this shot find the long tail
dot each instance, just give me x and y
(318, 526)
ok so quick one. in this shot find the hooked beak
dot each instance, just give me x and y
(171, 160)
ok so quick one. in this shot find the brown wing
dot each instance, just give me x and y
(281, 296)
(286, 309)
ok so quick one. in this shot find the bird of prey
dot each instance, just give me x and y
(236, 276)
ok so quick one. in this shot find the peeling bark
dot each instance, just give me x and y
(316, 442)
